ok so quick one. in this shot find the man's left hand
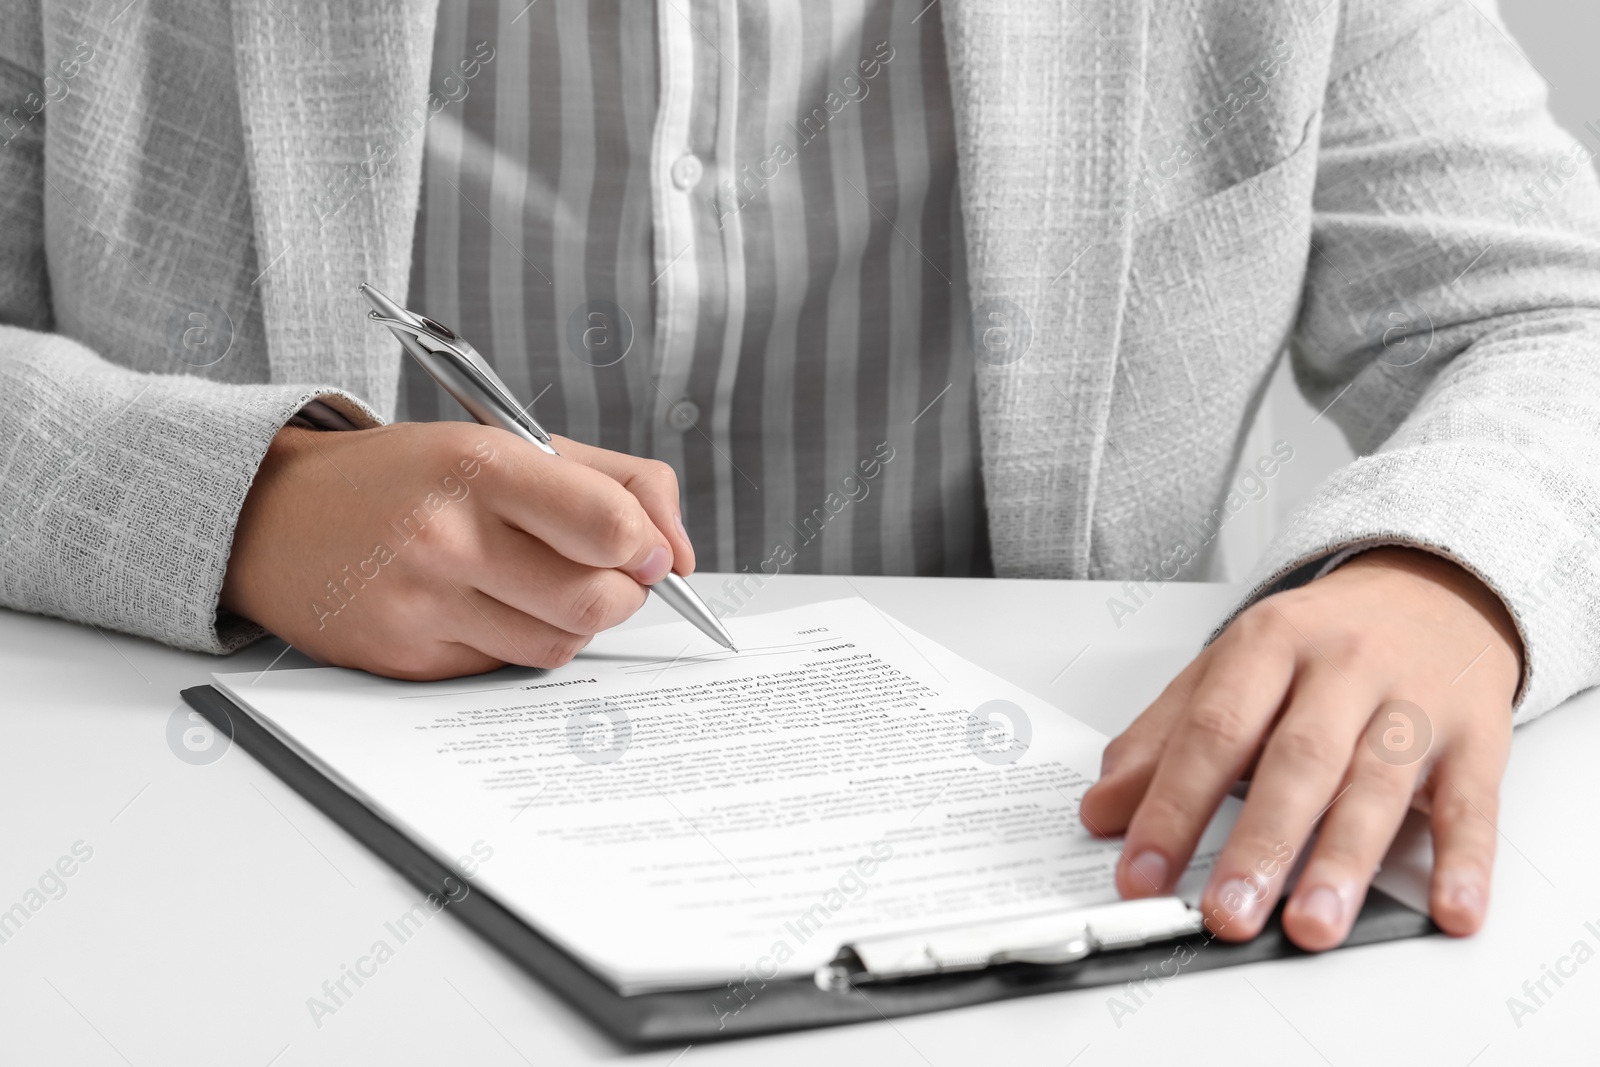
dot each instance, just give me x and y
(1388, 681)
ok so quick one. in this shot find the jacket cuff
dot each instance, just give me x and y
(1467, 507)
(123, 489)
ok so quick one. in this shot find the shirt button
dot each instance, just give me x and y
(686, 171)
(682, 415)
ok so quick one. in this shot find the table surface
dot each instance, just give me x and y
(214, 902)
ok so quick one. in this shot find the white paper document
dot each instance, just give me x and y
(678, 817)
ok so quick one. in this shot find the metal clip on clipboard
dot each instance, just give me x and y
(1052, 938)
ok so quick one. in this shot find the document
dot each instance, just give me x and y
(675, 816)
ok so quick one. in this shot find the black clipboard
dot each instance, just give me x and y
(694, 1016)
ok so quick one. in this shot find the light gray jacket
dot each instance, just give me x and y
(1164, 194)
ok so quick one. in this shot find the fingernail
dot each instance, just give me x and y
(1149, 871)
(655, 565)
(1325, 906)
(1107, 763)
(1240, 900)
(677, 518)
(1465, 893)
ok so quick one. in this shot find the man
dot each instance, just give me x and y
(1070, 239)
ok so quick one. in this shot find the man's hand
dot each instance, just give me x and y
(430, 550)
(1300, 688)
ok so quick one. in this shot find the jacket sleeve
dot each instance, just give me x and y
(1451, 327)
(119, 491)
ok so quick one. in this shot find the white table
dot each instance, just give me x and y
(216, 901)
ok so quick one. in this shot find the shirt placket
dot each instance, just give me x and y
(674, 172)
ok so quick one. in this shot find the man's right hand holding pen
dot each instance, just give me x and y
(431, 550)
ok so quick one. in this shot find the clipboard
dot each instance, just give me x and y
(754, 1006)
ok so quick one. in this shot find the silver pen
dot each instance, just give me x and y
(452, 362)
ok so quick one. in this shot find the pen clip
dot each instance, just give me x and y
(437, 337)
(458, 367)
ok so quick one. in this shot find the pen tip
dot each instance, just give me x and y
(732, 649)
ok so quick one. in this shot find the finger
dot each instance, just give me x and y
(1466, 811)
(429, 662)
(1301, 768)
(1353, 837)
(481, 622)
(582, 513)
(1215, 736)
(654, 483)
(1130, 758)
(529, 576)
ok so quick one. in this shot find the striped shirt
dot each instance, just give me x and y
(726, 234)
